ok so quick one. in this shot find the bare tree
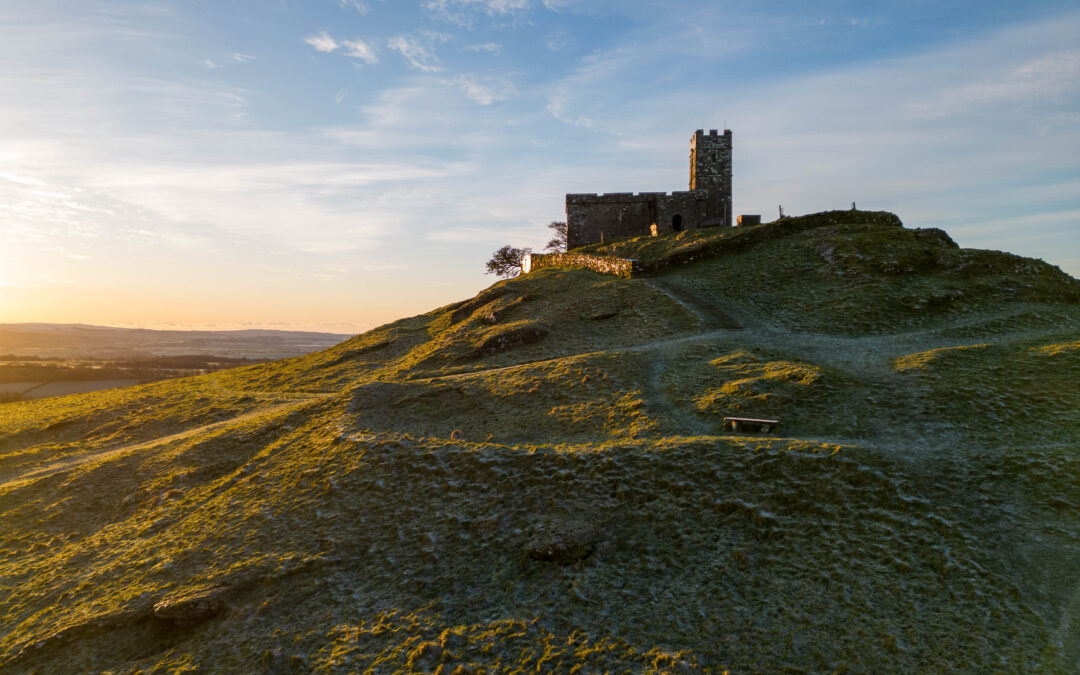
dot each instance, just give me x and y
(506, 262)
(558, 241)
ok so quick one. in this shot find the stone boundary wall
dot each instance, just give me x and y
(740, 239)
(619, 267)
(747, 236)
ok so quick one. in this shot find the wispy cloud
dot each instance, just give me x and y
(661, 55)
(355, 5)
(501, 6)
(401, 120)
(210, 64)
(1031, 82)
(480, 235)
(419, 51)
(491, 47)
(865, 22)
(322, 42)
(458, 11)
(359, 49)
(484, 94)
(558, 40)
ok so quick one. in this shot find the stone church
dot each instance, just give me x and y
(592, 218)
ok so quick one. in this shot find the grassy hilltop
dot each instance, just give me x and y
(538, 479)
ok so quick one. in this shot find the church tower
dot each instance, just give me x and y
(710, 170)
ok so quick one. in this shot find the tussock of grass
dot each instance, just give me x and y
(755, 387)
(420, 642)
(922, 360)
(1058, 349)
(720, 380)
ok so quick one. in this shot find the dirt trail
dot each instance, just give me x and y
(718, 315)
(712, 316)
(657, 398)
(868, 356)
(644, 347)
(900, 418)
(9, 483)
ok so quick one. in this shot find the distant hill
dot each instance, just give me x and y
(82, 341)
(540, 478)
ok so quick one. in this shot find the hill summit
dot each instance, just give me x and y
(540, 478)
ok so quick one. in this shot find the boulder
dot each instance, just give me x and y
(510, 339)
(561, 542)
(191, 606)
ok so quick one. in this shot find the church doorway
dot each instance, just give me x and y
(676, 222)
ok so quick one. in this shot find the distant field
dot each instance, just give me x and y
(17, 387)
(75, 341)
(32, 390)
(23, 379)
(45, 360)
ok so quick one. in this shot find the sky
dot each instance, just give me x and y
(337, 164)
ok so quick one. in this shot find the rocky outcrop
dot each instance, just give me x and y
(192, 606)
(562, 543)
(509, 339)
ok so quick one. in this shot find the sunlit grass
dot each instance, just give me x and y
(376, 505)
(922, 360)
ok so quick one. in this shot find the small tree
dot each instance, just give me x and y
(558, 240)
(506, 262)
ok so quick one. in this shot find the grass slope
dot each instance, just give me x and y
(538, 479)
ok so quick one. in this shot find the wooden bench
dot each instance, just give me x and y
(751, 423)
